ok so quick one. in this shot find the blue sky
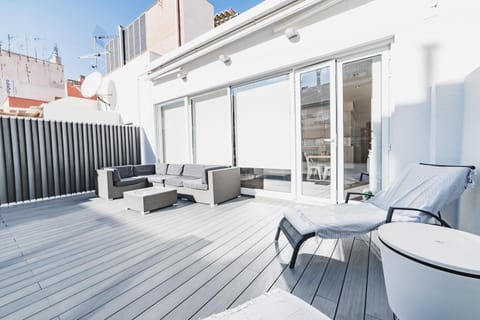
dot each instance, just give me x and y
(71, 23)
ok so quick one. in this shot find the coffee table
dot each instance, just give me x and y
(149, 199)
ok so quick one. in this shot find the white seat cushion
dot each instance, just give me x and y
(276, 304)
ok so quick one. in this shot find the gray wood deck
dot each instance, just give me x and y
(87, 258)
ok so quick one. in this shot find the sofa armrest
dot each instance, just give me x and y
(105, 183)
(224, 184)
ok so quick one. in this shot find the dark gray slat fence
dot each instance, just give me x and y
(41, 158)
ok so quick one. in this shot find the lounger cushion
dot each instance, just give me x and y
(276, 304)
(161, 168)
(143, 169)
(336, 221)
(424, 187)
(175, 169)
(130, 181)
(177, 181)
(195, 184)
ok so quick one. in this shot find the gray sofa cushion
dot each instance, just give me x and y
(177, 181)
(161, 168)
(124, 171)
(158, 178)
(131, 180)
(175, 169)
(195, 184)
(194, 170)
(143, 169)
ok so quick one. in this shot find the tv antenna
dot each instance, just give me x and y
(100, 39)
(36, 39)
(10, 38)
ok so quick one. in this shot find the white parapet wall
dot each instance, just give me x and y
(73, 109)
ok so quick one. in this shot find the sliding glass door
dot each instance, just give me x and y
(360, 98)
(339, 129)
(316, 133)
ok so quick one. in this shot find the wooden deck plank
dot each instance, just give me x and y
(352, 298)
(188, 307)
(328, 292)
(84, 257)
(208, 265)
(61, 289)
(309, 282)
(223, 298)
(120, 296)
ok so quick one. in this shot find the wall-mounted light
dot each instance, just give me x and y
(292, 34)
(182, 75)
(225, 59)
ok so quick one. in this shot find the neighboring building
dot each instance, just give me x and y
(166, 25)
(24, 77)
(73, 88)
(16, 102)
(341, 86)
(224, 16)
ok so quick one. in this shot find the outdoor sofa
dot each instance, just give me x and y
(211, 184)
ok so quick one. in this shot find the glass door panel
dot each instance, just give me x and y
(361, 125)
(317, 171)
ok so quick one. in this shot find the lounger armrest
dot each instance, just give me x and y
(347, 197)
(391, 210)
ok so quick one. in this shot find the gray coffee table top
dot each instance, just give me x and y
(149, 191)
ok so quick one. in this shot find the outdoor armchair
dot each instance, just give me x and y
(417, 195)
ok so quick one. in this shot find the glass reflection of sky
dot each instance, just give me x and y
(309, 79)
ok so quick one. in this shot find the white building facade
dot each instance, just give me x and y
(27, 77)
(314, 98)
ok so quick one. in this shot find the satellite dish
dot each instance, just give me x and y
(112, 95)
(91, 84)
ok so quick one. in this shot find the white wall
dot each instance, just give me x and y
(126, 88)
(73, 109)
(133, 99)
(470, 202)
(432, 52)
(197, 18)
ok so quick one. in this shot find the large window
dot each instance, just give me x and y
(262, 120)
(174, 132)
(212, 128)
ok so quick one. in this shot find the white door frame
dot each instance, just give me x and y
(384, 113)
(333, 135)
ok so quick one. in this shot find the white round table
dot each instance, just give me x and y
(431, 272)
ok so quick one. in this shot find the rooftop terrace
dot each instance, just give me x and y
(85, 257)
